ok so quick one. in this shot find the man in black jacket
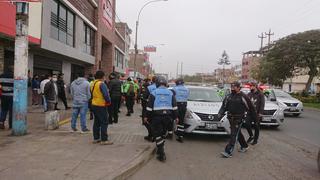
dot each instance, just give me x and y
(61, 92)
(237, 104)
(6, 82)
(258, 100)
(115, 94)
(51, 93)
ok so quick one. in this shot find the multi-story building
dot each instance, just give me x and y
(123, 41)
(249, 61)
(237, 71)
(143, 65)
(68, 36)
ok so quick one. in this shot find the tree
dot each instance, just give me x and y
(224, 60)
(295, 52)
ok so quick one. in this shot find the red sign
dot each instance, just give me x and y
(107, 12)
(150, 49)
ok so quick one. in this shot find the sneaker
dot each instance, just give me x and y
(250, 139)
(226, 155)
(180, 139)
(74, 129)
(243, 150)
(106, 142)
(162, 157)
(85, 131)
(254, 142)
(96, 141)
(128, 114)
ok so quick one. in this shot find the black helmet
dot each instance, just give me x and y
(179, 81)
(161, 81)
(112, 76)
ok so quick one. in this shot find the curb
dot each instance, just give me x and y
(133, 166)
(65, 121)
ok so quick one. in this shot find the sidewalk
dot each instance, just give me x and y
(60, 154)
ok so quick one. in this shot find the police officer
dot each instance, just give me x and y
(237, 104)
(182, 94)
(6, 82)
(144, 101)
(258, 101)
(161, 108)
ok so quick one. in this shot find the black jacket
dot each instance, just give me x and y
(258, 101)
(50, 92)
(60, 84)
(115, 87)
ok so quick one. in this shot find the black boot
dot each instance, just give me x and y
(180, 139)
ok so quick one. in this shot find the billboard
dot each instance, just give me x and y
(107, 13)
(150, 49)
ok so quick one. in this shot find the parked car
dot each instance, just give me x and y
(273, 113)
(291, 105)
(202, 112)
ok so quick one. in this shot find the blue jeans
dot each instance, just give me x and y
(83, 115)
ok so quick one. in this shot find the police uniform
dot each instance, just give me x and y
(161, 109)
(6, 82)
(237, 105)
(182, 95)
(144, 102)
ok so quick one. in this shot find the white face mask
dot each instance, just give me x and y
(54, 79)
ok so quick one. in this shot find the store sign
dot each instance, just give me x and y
(150, 49)
(107, 13)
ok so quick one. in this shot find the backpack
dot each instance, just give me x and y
(131, 90)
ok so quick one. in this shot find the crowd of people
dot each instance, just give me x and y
(162, 108)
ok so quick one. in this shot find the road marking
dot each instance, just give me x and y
(65, 121)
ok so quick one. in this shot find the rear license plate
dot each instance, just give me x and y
(211, 126)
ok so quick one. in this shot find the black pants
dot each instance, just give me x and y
(182, 109)
(100, 124)
(130, 103)
(236, 134)
(159, 126)
(114, 109)
(6, 106)
(256, 127)
(63, 99)
(144, 112)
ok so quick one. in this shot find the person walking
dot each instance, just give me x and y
(115, 94)
(35, 85)
(51, 93)
(182, 94)
(80, 93)
(258, 100)
(46, 79)
(100, 101)
(129, 91)
(161, 108)
(237, 105)
(62, 92)
(6, 82)
(144, 102)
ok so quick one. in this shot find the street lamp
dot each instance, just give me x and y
(136, 38)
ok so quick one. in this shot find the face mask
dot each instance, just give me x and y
(233, 91)
(54, 79)
(252, 90)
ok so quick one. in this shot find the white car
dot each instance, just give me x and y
(290, 104)
(202, 112)
(273, 113)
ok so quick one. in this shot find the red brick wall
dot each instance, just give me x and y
(86, 8)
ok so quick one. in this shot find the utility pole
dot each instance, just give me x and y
(20, 96)
(262, 37)
(269, 34)
(181, 69)
(177, 76)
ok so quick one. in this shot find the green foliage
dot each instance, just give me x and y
(294, 52)
(306, 98)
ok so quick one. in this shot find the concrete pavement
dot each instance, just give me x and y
(60, 154)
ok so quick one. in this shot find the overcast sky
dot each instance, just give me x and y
(196, 32)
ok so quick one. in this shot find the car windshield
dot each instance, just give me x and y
(282, 94)
(204, 95)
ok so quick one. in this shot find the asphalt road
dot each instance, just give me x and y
(285, 153)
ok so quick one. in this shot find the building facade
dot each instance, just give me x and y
(143, 65)
(249, 61)
(122, 47)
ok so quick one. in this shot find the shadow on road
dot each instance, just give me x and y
(206, 137)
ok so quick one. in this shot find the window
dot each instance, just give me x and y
(118, 59)
(88, 44)
(62, 24)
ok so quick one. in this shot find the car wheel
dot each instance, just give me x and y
(296, 115)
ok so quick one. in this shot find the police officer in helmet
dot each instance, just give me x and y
(237, 105)
(161, 108)
(182, 94)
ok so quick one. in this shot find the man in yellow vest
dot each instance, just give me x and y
(100, 101)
